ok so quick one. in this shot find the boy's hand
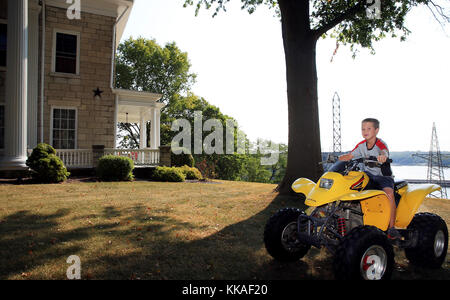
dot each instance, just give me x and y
(382, 158)
(346, 157)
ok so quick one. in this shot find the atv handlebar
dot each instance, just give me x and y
(345, 167)
(371, 162)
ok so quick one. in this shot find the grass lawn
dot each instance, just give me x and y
(153, 230)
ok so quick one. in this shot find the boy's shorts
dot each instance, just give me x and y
(380, 182)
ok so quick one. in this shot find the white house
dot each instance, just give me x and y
(57, 82)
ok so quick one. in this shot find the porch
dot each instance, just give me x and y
(87, 158)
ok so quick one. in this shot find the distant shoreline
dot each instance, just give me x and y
(405, 158)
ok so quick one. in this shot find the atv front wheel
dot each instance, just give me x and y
(281, 238)
(432, 242)
(364, 253)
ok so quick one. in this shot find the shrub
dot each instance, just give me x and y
(179, 160)
(45, 165)
(191, 172)
(207, 168)
(172, 174)
(115, 168)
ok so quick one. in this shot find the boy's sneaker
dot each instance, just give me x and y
(393, 233)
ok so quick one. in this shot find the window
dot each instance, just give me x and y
(66, 49)
(2, 126)
(3, 34)
(64, 128)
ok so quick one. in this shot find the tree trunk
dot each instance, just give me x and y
(304, 150)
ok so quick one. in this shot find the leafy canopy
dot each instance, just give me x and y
(345, 20)
(144, 65)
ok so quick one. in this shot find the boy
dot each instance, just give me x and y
(373, 146)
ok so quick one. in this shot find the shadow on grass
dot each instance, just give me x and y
(154, 251)
(28, 240)
(235, 252)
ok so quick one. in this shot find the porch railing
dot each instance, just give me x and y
(84, 158)
(140, 157)
(76, 158)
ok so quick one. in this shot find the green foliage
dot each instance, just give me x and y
(249, 5)
(143, 65)
(279, 168)
(179, 160)
(243, 167)
(191, 172)
(254, 171)
(183, 107)
(45, 165)
(171, 174)
(225, 166)
(115, 168)
(206, 166)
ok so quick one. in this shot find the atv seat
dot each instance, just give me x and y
(399, 183)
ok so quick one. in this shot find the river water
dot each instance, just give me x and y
(416, 172)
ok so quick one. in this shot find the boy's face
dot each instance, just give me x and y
(369, 131)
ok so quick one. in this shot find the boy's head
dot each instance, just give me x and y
(370, 128)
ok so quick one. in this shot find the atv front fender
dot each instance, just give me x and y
(303, 185)
(411, 201)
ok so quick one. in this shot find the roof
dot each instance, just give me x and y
(119, 9)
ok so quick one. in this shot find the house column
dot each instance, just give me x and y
(155, 138)
(143, 132)
(16, 87)
(33, 70)
(152, 129)
(157, 118)
(116, 111)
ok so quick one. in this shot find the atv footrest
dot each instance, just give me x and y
(307, 230)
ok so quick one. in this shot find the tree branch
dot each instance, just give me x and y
(339, 18)
(440, 13)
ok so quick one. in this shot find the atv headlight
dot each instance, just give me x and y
(326, 183)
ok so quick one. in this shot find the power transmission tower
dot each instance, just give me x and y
(337, 148)
(435, 172)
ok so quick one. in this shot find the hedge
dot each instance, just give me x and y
(191, 172)
(45, 165)
(172, 174)
(115, 168)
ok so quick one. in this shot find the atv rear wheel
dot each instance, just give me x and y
(281, 238)
(364, 253)
(432, 242)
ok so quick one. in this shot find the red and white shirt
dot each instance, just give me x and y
(361, 150)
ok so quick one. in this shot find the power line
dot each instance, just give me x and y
(435, 171)
(337, 146)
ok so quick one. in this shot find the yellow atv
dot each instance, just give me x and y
(352, 222)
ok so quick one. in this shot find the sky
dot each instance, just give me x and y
(240, 67)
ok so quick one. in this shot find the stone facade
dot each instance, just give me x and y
(90, 120)
(95, 116)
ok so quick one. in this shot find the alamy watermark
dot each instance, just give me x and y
(214, 142)
(372, 262)
(74, 10)
(74, 270)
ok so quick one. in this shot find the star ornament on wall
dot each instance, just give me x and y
(97, 93)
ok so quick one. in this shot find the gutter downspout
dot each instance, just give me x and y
(113, 64)
(42, 71)
(113, 57)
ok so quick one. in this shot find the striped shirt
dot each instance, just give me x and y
(361, 150)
